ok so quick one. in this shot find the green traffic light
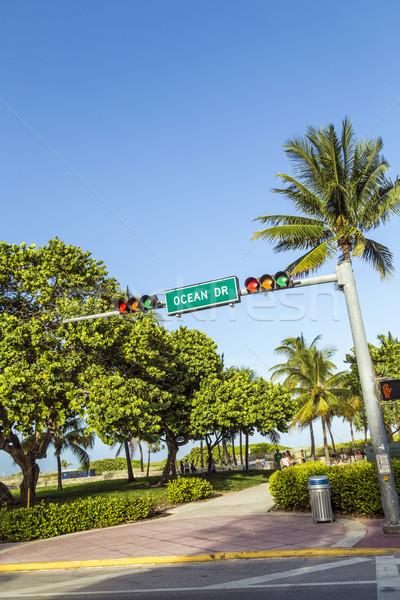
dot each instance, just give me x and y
(282, 281)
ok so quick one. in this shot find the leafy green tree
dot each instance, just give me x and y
(141, 378)
(235, 400)
(341, 191)
(386, 362)
(38, 367)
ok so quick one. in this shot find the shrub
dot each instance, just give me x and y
(187, 489)
(112, 464)
(354, 487)
(49, 520)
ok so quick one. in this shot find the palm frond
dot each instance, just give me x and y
(313, 259)
(377, 255)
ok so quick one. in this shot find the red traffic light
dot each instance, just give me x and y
(252, 285)
(122, 306)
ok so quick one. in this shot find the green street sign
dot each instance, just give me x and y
(202, 295)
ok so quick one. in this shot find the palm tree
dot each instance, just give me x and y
(72, 437)
(342, 192)
(310, 377)
(292, 348)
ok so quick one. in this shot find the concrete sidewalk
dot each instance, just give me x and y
(235, 525)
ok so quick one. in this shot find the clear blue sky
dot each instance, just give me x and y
(150, 133)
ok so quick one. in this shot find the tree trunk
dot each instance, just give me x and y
(327, 457)
(209, 455)
(227, 458)
(59, 477)
(331, 436)
(30, 473)
(128, 461)
(5, 494)
(233, 450)
(219, 455)
(141, 456)
(366, 435)
(241, 447)
(27, 461)
(148, 463)
(352, 434)
(247, 451)
(171, 461)
(201, 454)
(312, 449)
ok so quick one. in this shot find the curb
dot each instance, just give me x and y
(218, 556)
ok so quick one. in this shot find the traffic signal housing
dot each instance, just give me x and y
(268, 283)
(136, 305)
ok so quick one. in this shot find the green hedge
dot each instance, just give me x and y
(112, 464)
(186, 489)
(355, 486)
(49, 520)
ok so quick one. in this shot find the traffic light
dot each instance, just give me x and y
(122, 306)
(268, 283)
(135, 305)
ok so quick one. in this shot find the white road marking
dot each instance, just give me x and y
(284, 574)
(113, 593)
(388, 577)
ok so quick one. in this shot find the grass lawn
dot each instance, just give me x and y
(224, 481)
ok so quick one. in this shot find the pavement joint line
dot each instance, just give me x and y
(214, 557)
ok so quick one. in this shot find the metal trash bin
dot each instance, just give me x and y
(320, 497)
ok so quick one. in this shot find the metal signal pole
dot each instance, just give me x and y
(390, 499)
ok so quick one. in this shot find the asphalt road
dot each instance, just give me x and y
(357, 578)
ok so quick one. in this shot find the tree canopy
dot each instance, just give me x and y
(38, 369)
(341, 191)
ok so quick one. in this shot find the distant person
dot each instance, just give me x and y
(303, 456)
(277, 458)
(193, 467)
(182, 468)
(213, 466)
(342, 455)
(285, 461)
(290, 458)
(186, 467)
(352, 455)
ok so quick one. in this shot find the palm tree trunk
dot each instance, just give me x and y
(312, 449)
(241, 447)
(59, 477)
(352, 434)
(128, 461)
(331, 436)
(247, 451)
(327, 457)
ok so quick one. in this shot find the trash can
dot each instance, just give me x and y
(320, 497)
